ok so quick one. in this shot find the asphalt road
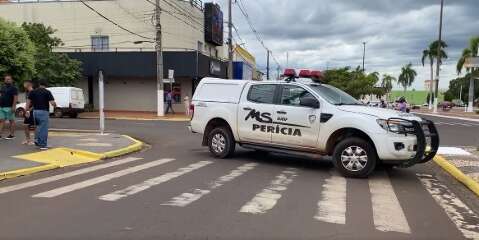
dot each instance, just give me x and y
(175, 190)
(456, 132)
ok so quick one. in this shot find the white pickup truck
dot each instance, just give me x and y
(308, 118)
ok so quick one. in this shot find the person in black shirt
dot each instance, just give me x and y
(28, 121)
(40, 99)
(8, 103)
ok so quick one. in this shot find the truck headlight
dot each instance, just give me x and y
(396, 125)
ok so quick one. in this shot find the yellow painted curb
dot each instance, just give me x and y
(458, 174)
(136, 146)
(27, 171)
(54, 158)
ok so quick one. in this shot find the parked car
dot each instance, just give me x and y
(308, 119)
(70, 101)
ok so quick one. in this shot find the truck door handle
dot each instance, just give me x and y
(247, 109)
(281, 112)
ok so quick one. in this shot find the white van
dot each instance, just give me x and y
(70, 101)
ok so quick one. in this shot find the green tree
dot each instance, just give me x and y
(354, 82)
(471, 51)
(430, 54)
(407, 76)
(455, 87)
(16, 52)
(387, 84)
(57, 68)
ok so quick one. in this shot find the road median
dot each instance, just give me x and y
(69, 149)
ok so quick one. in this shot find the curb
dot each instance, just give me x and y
(142, 119)
(136, 146)
(27, 171)
(458, 174)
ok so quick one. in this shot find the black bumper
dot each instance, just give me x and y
(427, 136)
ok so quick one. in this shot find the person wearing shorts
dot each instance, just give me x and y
(8, 102)
(29, 121)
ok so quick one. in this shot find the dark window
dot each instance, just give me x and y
(292, 95)
(100, 43)
(262, 93)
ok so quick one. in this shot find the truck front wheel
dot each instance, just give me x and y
(354, 157)
(221, 142)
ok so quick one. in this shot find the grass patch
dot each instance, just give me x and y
(414, 97)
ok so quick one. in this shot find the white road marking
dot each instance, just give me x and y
(185, 199)
(90, 182)
(453, 151)
(134, 189)
(268, 197)
(332, 206)
(445, 123)
(466, 221)
(65, 175)
(387, 212)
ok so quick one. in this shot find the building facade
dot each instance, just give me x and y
(192, 41)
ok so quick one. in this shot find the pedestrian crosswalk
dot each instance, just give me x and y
(387, 211)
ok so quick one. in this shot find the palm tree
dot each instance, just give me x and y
(430, 54)
(407, 76)
(387, 84)
(472, 51)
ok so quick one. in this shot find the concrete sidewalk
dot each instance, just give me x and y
(68, 148)
(131, 115)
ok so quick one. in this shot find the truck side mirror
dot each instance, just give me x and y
(309, 102)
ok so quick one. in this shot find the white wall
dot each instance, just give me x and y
(133, 94)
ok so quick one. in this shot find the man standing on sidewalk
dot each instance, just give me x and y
(28, 121)
(8, 103)
(40, 99)
(169, 102)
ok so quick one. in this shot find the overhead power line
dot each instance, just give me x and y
(178, 18)
(113, 22)
(242, 8)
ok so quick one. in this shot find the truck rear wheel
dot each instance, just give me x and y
(354, 157)
(221, 142)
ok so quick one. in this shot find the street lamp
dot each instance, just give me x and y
(438, 65)
(364, 54)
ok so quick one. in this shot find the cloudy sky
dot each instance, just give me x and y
(324, 33)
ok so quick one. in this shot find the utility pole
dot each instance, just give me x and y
(287, 59)
(438, 65)
(364, 54)
(159, 64)
(230, 39)
(101, 101)
(267, 64)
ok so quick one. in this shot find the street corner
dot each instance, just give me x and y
(67, 149)
(462, 163)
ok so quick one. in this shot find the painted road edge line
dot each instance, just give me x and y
(449, 117)
(457, 174)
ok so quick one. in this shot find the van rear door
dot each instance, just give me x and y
(76, 98)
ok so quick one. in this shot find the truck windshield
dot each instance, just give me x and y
(334, 95)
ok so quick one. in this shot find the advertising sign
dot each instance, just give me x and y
(213, 24)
